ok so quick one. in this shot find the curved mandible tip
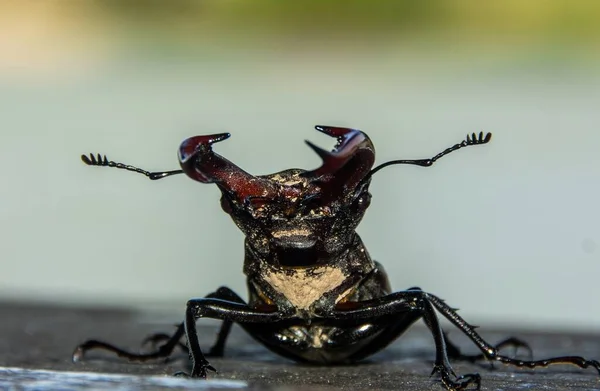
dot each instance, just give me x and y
(351, 143)
(194, 147)
(199, 162)
(347, 164)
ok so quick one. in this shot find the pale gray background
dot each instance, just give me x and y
(508, 232)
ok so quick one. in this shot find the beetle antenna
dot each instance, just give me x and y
(100, 160)
(472, 139)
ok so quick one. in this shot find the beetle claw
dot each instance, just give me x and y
(323, 154)
(198, 370)
(191, 146)
(349, 162)
(342, 134)
(441, 369)
(332, 161)
(334, 131)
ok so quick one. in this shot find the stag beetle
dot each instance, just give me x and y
(315, 294)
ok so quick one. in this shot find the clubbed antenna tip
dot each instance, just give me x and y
(93, 161)
(472, 139)
(103, 161)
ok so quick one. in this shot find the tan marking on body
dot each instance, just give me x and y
(295, 180)
(303, 287)
(291, 232)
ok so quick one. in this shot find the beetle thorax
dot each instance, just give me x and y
(303, 289)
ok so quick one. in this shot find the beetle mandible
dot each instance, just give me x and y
(315, 294)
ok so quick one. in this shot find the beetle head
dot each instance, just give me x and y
(294, 218)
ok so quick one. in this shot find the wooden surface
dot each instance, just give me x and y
(36, 343)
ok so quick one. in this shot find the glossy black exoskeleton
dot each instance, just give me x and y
(315, 294)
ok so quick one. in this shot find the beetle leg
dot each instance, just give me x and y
(157, 338)
(401, 302)
(167, 348)
(424, 302)
(442, 365)
(163, 351)
(491, 353)
(217, 309)
(455, 353)
(218, 348)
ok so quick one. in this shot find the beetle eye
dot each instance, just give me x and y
(226, 204)
(363, 201)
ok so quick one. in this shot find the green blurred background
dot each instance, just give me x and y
(507, 232)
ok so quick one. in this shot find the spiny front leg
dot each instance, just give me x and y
(398, 304)
(454, 352)
(442, 365)
(166, 349)
(491, 353)
(426, 304)
(218, 348)
(163, 351)
(217, 309)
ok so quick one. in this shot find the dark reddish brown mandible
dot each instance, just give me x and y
(342, 170)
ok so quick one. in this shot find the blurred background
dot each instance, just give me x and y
(508, 232)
